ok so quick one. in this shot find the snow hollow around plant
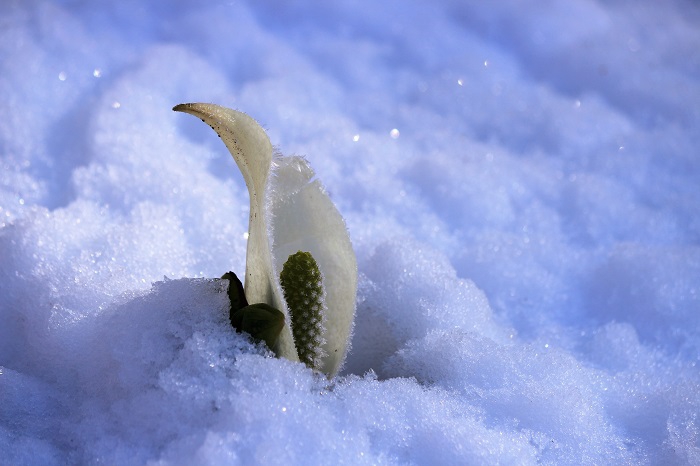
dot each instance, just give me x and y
(520, 180)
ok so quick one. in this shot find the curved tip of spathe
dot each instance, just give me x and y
(200, 107)
(216, 113)
(189, 107)
(182, 107)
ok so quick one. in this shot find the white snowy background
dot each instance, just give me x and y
(520, 180)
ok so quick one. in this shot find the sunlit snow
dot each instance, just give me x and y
(520, 180)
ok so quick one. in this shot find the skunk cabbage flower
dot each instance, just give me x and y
(290, 212)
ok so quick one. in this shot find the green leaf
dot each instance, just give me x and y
(236, 294)
(262, 321)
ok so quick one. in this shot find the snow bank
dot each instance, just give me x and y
(520, 184)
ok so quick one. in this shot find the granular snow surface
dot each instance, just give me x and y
(520, 180)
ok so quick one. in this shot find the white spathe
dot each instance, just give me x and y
(289, 211)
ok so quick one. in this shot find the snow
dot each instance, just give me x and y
(521, 184)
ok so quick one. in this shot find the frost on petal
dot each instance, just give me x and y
(303, 218)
